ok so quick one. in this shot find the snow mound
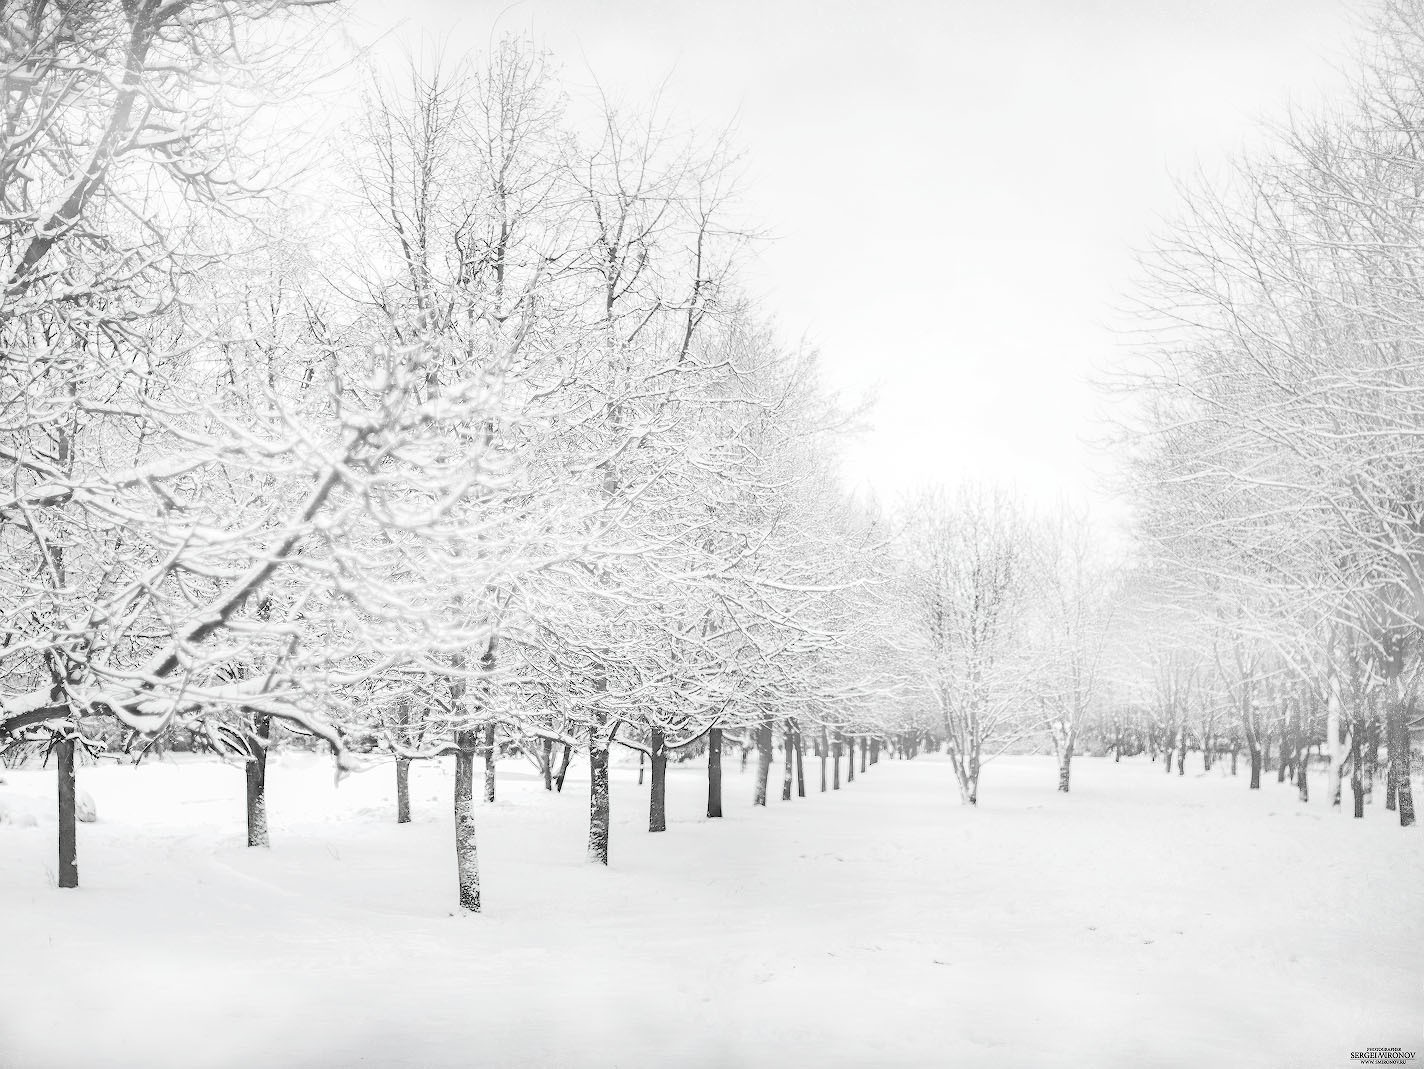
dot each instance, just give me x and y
(84, 809)
(15, 813)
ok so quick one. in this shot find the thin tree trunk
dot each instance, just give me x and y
(1336, 750)
(864, 751)
(824, 749)
(788, 759)
(563, 768)
(257, 782)
(874, 751)
(489, 749)
(1391, 746)
(1065, 766)
(641, 767)
(467, 859)
(836, 760)
(547, 764)
(764, 747)
(1372, 757)
(966, 772)
(402, 790)
(714, 772)
(850, 759)
(68, 830)
(800, 771)
(1303, 775)
(598, 808)
(1357, 784)
(1399, 761)
(657, 796)
(1372, 744)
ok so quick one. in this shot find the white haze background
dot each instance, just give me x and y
(954, 190)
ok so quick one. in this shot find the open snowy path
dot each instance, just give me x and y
(1144, 920)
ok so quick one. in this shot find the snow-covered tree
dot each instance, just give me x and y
(967, 560)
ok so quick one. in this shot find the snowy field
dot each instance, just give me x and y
(1145, 920)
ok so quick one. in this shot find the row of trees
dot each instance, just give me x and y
(485, 446)
(480, 446)
(1009, 618)
(1273, 428)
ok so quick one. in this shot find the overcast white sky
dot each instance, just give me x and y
(956, 187)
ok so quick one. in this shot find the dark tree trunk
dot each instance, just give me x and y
(402, 790)
(850, 759)
(563, 768)
(714, 772)
(836, 761)
(598, 809)
(547, 764)
(800, 770)
(657, 796)
(1065, 767)
(764, 743)
(1357, 783)
(489, 749)
(1303, 778)
(641, 767)
(467, 859)
(864, 751)
(821, 752)
(1403, 792)
(1182, 755)
(874, 751)
(1371, 754)
(788, 760)
(68, 834)
(1399, 765)
(1234, 751)
(1391, 744)
(1251, 731)
(257, 782)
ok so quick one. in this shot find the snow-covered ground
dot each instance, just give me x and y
(1145, 920)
